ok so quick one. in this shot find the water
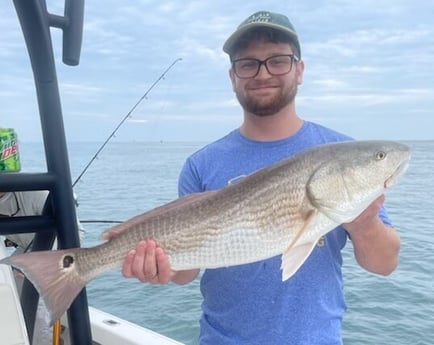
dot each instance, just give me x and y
(129, 178)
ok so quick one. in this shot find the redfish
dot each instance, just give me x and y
(283, 209)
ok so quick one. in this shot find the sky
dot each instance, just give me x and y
(369, 69)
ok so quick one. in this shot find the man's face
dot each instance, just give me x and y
(265, 94)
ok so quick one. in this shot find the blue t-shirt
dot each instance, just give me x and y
(249, 304)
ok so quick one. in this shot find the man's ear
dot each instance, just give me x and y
(300, 72)
(232, 77)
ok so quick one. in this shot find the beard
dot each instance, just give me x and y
(268, 106)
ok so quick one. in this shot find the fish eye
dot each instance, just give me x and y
(380, 155)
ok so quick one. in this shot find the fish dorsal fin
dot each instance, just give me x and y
(294, 256)
(119, 229)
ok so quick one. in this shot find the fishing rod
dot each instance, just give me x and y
(123, 120)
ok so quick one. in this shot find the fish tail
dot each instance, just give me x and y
(54, 275)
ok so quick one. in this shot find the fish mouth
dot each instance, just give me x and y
(400, 170)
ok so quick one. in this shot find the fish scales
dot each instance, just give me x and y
(221, 225)
(282, 209)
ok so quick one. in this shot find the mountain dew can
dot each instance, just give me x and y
(9, 153)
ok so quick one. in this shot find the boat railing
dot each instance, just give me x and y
(59, 216)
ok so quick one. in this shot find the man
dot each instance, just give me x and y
(249, 304)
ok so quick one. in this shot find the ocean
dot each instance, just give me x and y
(129, 178)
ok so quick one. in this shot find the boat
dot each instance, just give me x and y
(82, 324)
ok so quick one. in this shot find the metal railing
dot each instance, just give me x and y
(59, 217)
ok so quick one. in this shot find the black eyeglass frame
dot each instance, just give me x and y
(14, 213)
(293, 57)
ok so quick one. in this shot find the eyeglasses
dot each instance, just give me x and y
(276, 65)
(13, 213)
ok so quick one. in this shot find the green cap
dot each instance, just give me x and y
(263, 19)
(9, 153)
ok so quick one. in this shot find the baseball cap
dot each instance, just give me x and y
(266, 19)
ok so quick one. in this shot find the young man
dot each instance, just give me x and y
(249, 304)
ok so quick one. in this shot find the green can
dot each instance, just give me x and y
(9, 152)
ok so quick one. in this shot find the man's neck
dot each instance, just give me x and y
(269, 128)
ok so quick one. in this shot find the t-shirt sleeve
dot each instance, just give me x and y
(189, 180)
(385, 217)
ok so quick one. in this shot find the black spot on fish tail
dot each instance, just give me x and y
(54, 275)
(68, 260)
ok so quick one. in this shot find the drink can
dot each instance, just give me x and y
(9, 152)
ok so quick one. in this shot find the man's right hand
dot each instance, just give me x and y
(150, 264)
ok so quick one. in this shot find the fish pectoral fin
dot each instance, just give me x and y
(295, 257)
(308, 219)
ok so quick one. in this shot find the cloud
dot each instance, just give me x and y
(363, 99)
(365, 61)
(330, 83)
(139, 121)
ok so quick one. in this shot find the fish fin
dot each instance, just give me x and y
(310, 216)
(294, 258)
(54, 275)
(121, 228)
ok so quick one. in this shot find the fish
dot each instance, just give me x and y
(283, 209)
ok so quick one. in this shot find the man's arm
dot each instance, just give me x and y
(376, 245)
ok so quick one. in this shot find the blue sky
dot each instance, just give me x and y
(369, 69)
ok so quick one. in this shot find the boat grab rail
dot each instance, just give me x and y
(59, 215)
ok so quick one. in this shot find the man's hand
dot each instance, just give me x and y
(376, 245)
(366, 219)
(150, 264)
